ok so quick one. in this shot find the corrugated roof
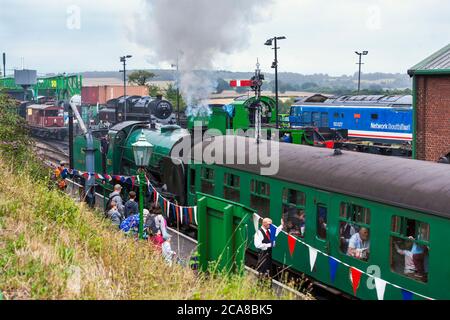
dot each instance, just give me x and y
(438, 62)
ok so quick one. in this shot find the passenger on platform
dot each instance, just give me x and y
(157, 240)
(167, 251)
(114, 214)
(131, 206)
(263, 242)
(346, 231)
(160, 222)
(150, 224)
(60, 175)
(130, 224)
(359, 245)
(115, 196)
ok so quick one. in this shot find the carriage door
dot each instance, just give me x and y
(322, 202)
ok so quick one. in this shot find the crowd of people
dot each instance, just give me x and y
(125, 216)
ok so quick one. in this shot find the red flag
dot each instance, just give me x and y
(178, 214)
(190, 216)
(356, 278)
(291, 242)
(133, 180)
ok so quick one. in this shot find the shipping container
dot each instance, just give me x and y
(101, 94)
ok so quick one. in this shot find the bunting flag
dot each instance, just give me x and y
(380, 285)
(273, 234)
(407, 295)
(167, 204)
(312, 257)
(176, 213)
(333, 268)
(356, 278)
(190, 215)
(133, 180)
(291, 243)
(195, 215)
(180, 214)
(156, 197)
(256, 219)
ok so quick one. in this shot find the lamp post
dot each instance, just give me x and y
(269, 42)
(178, 89)
(142, 151)
(124, 61)
(360, 54)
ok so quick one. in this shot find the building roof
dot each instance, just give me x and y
(405, 183)
(437, 63)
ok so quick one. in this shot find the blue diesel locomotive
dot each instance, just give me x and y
(381, 119)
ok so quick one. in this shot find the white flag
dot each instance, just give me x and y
(180, 210)
(312, 257)
(168, 208)
(380, 286)
(157, 199)
(256, 221)
(195, 215)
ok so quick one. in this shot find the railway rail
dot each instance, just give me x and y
(52, 152)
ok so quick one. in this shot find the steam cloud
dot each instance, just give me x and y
(197, 31)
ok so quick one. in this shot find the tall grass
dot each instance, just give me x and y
(53, 248)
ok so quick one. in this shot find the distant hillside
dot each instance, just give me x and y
(297, 81)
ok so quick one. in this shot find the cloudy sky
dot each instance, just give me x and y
(87, 35)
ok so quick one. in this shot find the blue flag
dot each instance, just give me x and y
(333, 268)
(273, 233)
(407, 295)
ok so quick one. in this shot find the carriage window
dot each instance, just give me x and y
(306, 117)
(260, 198)
(322, 218)
(374, 116)
(294, 212)
(336, 115)
(409, 248)
(207, 181)
(192, 181)
(354, 231)
(232, 185)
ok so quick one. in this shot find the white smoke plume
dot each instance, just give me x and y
(196, 31)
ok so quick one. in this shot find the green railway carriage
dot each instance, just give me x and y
(394, 199)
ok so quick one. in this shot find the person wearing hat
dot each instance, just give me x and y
(116, 197)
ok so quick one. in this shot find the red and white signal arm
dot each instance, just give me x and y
(241, 83)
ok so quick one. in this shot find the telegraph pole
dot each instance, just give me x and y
(269, 42)
(360, 54)
(124, 60)
(4, 65)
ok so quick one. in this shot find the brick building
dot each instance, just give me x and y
(431, 93)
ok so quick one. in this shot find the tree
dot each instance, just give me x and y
(171, 96)
(140, 77)
(309, 86)
(154, 90)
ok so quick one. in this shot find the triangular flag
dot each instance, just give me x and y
(356, 278)
(191, 219)
(180, 214)
(333, 268)
(407, 295)
(195, 216)
(156, 198)
(256, 221)
(380, 285)
(291, 242)
(166, 203)
(273, 233)
(312, 257)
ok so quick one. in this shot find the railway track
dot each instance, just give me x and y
(52, 152)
